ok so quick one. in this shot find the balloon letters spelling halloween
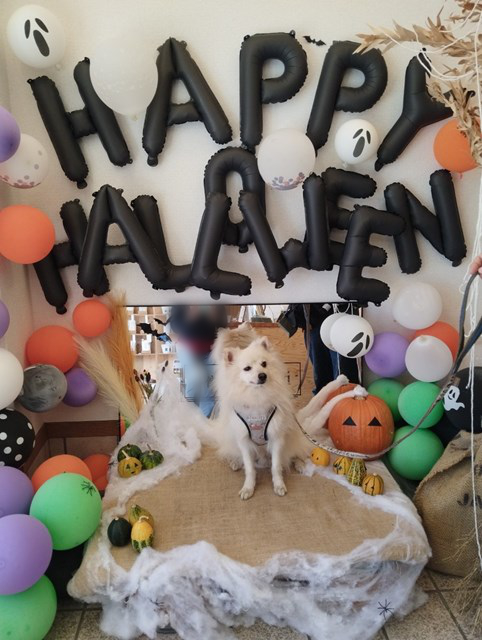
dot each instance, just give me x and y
(173, 63)
(256, 90)
(243, 162)
(443, 230)
(330, 96)
(419, 110)
(65, 129)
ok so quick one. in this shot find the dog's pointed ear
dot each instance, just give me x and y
(229, 356)
(264, 342)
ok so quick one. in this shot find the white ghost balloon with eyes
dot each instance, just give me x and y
(36, 36)
(356, 141)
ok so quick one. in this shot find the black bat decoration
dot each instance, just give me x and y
(146, 328)
(319, 43)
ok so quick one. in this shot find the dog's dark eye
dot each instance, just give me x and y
(263, 364)
(248, 368)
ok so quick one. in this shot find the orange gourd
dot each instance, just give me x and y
(361, 425)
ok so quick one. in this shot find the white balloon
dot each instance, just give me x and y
(428, 359)
(36, 36)
(28, 166)
(285, 158)
(124, 74)
(325, 329)
(351, 336)
(11, 377)
(417, 305)
(356, 141)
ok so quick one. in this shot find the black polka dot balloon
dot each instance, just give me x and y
(17, 438)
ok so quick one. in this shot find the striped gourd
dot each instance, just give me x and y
(341, 465)
(373, 484)
(356, 472)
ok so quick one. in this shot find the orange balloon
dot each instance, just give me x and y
(27, 234)
(101, 483)
(451, 149)
(91, 318)
(444, 332)
(98, 464)
(52, 345)
(63, 463)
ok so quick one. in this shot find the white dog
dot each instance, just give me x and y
(255, 423)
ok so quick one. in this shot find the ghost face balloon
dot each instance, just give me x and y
(28, 166)
(356, 141)
(36, 36)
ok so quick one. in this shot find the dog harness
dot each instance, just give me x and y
(257, 426)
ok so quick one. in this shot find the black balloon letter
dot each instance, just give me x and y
(256, 91)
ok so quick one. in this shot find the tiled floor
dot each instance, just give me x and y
(439, 619)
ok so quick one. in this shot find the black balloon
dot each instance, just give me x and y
(205, 271)
(458, 404)
(255, 91)
(419, 110)
(65, 128)
(51, 282)
(263, 237)
(359, 253)
(318, 244)
(173, 63)
(17, 438)
(443, 230)
(62, 567)
(331, 96)
(243, 162)
(338, 183)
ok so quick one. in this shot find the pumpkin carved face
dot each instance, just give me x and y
(361, 425)
(129, 467)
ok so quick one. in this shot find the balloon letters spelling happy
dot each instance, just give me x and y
(255, 90)
(65, 128)
(419, 110)
(173, 63)
(330, 96)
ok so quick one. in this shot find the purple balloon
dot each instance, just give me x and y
(9, 135)
(25, 552)
(80, 388)
(4, 318)
(387, 356)
(16, 491)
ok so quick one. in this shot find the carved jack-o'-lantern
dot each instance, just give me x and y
(361, 424)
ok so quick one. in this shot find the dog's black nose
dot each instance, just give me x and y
(262, 377)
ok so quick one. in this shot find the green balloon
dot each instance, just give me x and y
(28, 615)
(70, 507)
(387, 390)
(414, 401)
(416, 455)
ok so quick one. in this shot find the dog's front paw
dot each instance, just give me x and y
(235, 465)
(342, 379)
(246, 492)
(299, 465)
(280, 489)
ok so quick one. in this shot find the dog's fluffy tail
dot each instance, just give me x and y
(208, 432)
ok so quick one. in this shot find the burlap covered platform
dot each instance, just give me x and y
(318, 515)
(320, 559)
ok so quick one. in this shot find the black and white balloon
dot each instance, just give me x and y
(44, 387)
(458, 404)
(356, 141)
(17, 438)
(36, 36)
(351, 336)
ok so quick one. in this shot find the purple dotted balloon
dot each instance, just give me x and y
(9, 135)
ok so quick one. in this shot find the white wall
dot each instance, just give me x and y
(214, 31)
